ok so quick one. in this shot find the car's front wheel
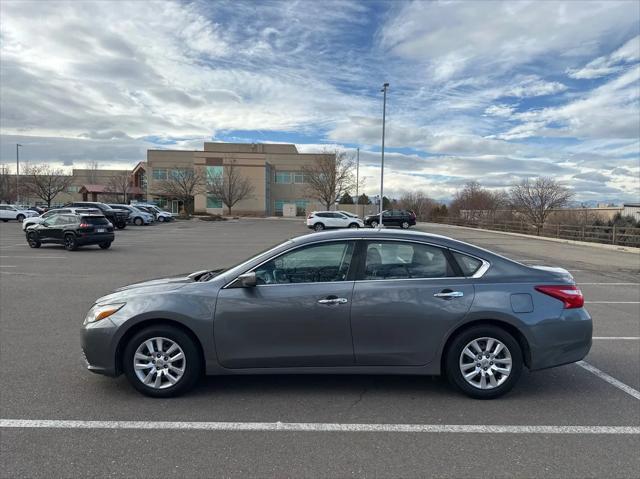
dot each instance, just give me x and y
(484, 362)
(138, 221)
(374, 224)
(122, 225)
(318, 227)
(354, 225)
(162, 361)
(20, 218)
(404, 225)
(161, 219)
(33, 240)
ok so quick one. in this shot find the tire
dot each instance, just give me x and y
(457, 360)
(138, 221)
(70, 243)
(121, 225)
(160, 219)
(374, 224)
(318, 227)
(354, 225)
(190, 364)
(20, 218)
(105, 245)
(33, 240)
(404, 225)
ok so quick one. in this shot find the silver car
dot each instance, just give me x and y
(344, 302)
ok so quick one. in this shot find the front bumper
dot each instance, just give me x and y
(97, 341)
(561, 341)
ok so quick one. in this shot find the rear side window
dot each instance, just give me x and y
(95, 220)
(399, 260)
(468, 264)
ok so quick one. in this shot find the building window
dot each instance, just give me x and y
(298, 177)
(283, 177)
(213, 172)
(73, 189)
(301, 206)
(213, 202)
(161, 202)
(159, 173)
(179, 173)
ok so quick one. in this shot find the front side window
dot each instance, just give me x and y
(400, 260)
(325, 262)
(468, 264)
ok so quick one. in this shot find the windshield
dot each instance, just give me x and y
(238, 268)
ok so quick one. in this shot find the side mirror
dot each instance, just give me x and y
(248, 280)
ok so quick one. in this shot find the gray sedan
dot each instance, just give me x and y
(344, 302)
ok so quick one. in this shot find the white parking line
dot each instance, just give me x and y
(618, 338)
(609, 284)
(6, 266)
(610, 379)
(33, 257)
(316, 427)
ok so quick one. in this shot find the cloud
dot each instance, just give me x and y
(608, 64)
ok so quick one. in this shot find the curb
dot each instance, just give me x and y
(610, 247)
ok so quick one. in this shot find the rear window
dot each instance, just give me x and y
(468, 264)
(95, 220)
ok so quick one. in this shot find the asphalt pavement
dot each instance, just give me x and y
(579, 420)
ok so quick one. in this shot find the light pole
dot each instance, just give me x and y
(18, 146)
(384, 114)
(357, 180)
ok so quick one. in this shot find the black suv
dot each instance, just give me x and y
(402, 218)
(117, 217)
(72, 231)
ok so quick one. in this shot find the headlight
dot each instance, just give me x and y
(101, 311)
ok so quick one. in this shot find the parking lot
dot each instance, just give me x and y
(580, 420)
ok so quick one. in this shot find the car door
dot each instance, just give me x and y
(406, 297)
(296, 316)
(4, 212)
(51, 229)
(340, 220)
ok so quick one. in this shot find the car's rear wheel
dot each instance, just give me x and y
(354, 225)
(318, 227)
(161, 219)
(484, 362)
(33, 240)
(20, 218)
(162, 361)
(374, 224)
(70, 242)
(105, 245)
(404, 225)
(121, 225)
(138, 221)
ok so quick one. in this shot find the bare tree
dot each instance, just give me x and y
(120, 185)
(329, 177)
(7, 185)
(93, 175)
(418, 202)
(473, 202)
(535, 199)
(183, 184)
(229, 187)
(45, 182)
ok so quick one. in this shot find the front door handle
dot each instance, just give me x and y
(333, 300)
(449, 294)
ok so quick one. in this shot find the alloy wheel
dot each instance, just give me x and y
(374, 224)
(485, 363)
(159, 363)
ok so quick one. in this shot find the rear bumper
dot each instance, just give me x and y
(561, 341)
(95, 238)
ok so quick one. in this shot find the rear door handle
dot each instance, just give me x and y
(333, 301)
(449, 294)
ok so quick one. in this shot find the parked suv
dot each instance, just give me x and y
(319, 220)
(135, 215)
(35, 220)
(160, 215)
(72, 231)
(10, 212)
(117, 217)
(402, 218)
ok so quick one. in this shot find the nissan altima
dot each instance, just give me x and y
(344, 302)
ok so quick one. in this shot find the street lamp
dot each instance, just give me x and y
(384, 114)
(357, 179)
(18, 146)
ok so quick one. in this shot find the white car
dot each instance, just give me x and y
(161, 215)
(36, 220)
(10, 212)
(350, 215)
(319, 220)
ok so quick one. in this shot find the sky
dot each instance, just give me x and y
(479, 90)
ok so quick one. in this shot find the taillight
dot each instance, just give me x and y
(570, 295)
(84, 225)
